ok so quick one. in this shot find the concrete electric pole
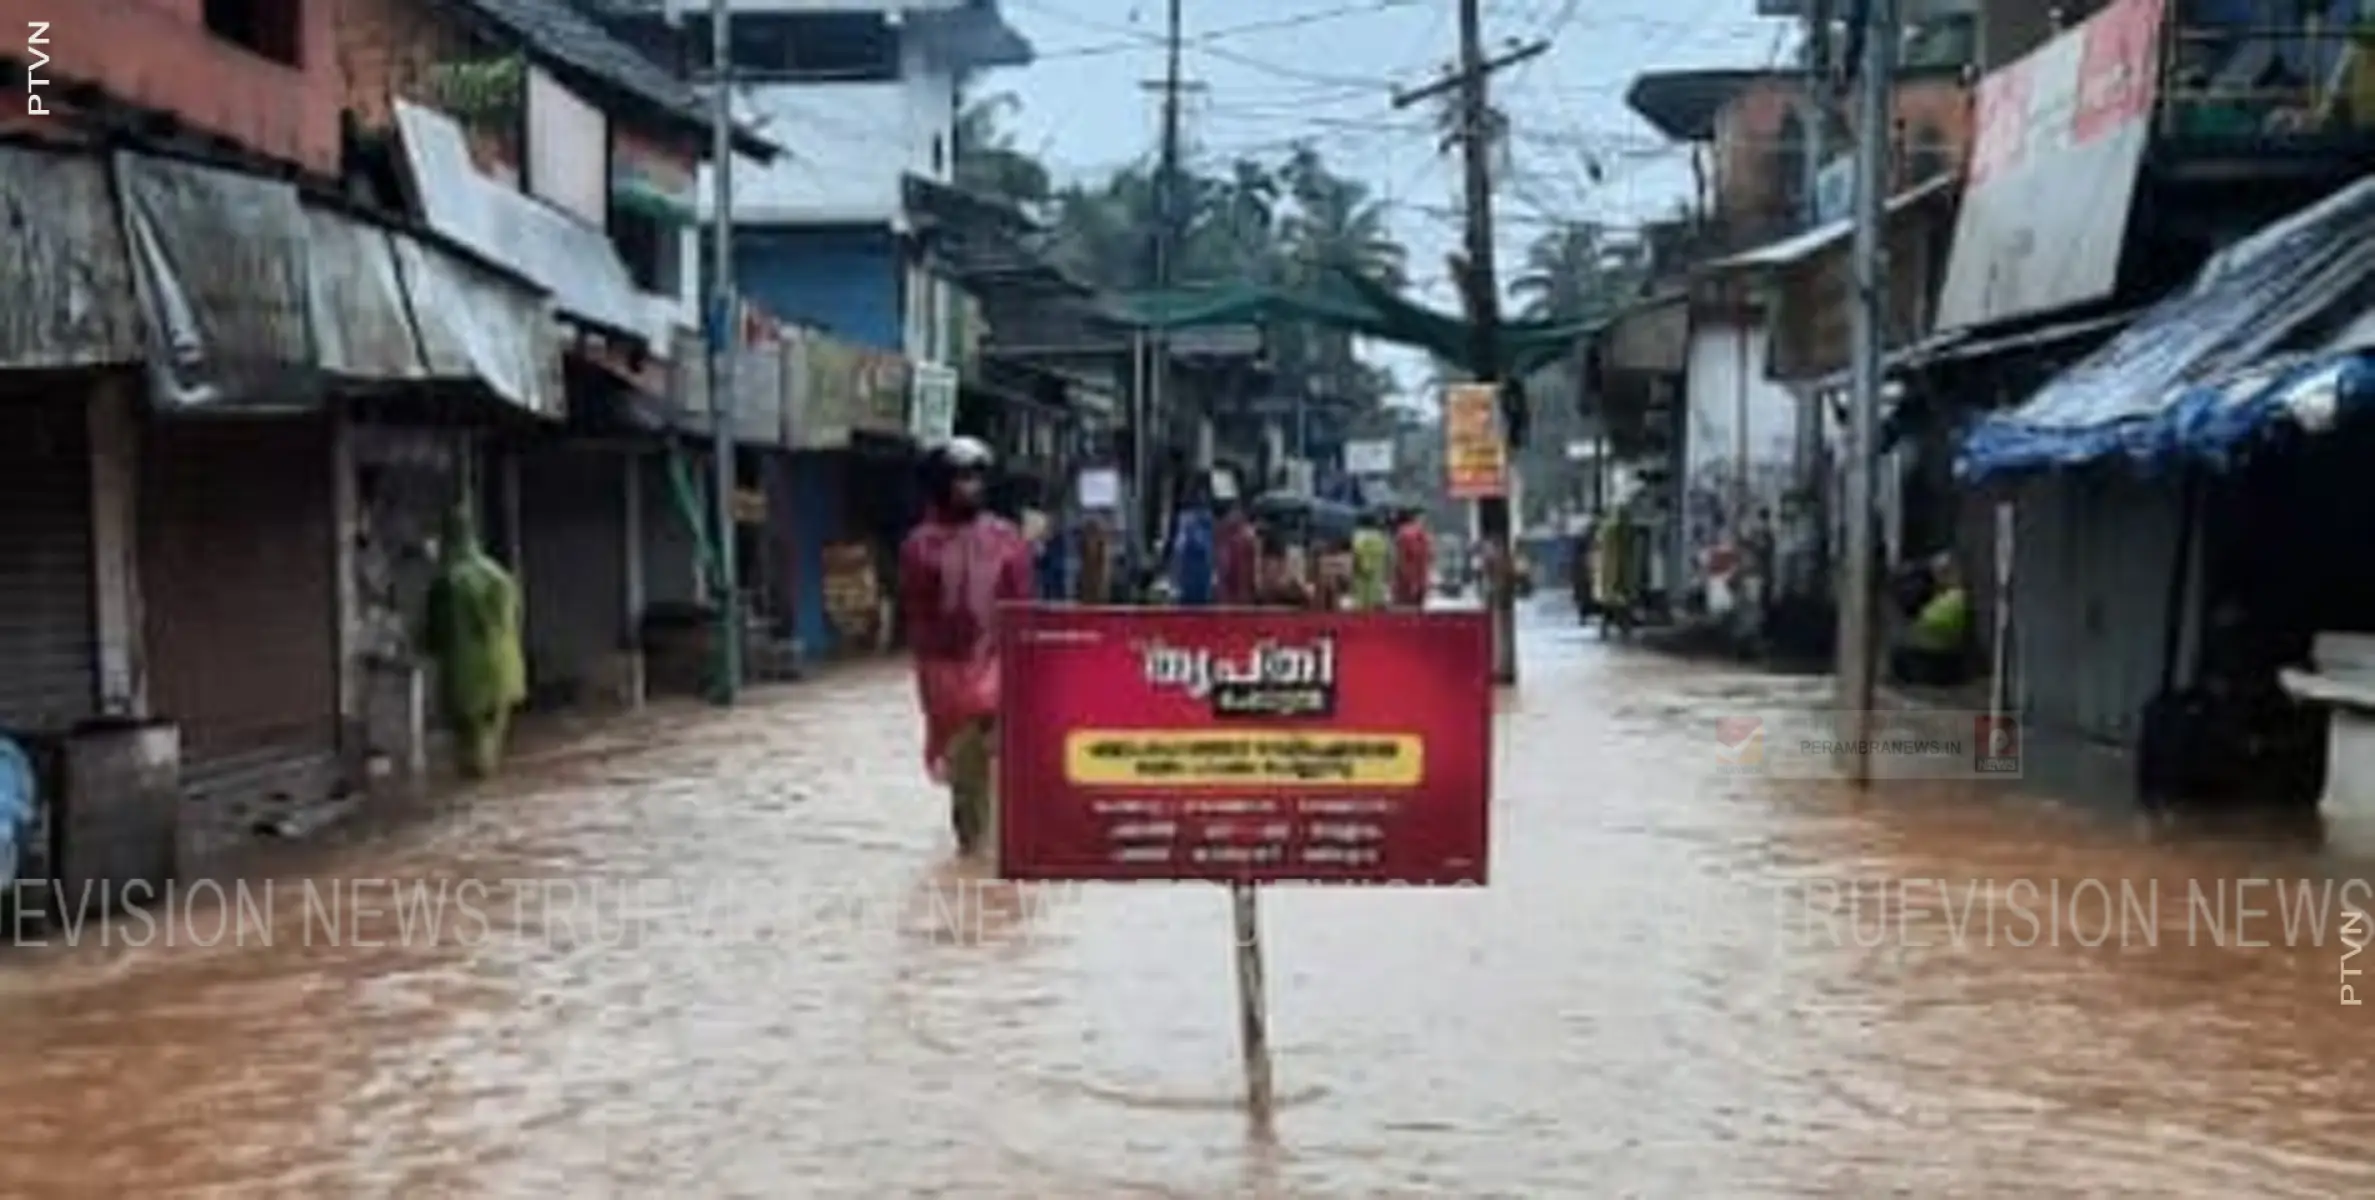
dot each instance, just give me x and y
(1859, 586)
(1152, 376)
(1482, 291)
(725, 338)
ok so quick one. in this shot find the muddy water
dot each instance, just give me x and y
(1682, 983)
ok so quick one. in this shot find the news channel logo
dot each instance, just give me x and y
(1897, 744)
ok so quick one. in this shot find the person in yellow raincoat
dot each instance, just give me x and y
(1613, 570)
(1372, 564)
(474, 636)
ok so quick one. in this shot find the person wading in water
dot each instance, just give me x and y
(955, 569)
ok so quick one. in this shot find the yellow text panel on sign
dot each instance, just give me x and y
(1224, 759)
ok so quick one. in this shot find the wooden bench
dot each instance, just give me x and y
(2343, 681)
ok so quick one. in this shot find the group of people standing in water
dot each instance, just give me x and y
(962, 561)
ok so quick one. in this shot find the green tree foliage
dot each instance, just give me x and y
(1264, 220)
(1274, 220)
(1574, 272)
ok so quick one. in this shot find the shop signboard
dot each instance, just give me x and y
(2058, 141)
(1369, 456)
(934, 410)
(838, 393)
(1474, 454)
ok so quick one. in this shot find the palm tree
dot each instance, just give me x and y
(1236, 224)
(1574, 272)
(1335, 221)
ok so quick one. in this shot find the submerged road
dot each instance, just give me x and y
(724, 954)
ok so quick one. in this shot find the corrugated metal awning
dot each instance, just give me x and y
(1963, 345)
(1798, 248)
(69, 285)
(572, 260)
(360, 324)
(476, 325)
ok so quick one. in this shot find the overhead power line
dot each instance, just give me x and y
(1146, 38)
(1140, 41)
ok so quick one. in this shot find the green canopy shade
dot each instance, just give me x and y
(636, 196)
(1344, 299)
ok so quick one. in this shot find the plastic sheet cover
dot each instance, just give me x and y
(71, 301)
(2258, 339)
(221, 262)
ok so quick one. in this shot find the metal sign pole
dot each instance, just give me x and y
(1999, 690)
(1253, 1008)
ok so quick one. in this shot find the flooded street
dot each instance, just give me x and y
(1647, 1001)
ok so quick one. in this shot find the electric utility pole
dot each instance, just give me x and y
(1858, 672)
(1816, 108)
(1153, 379)
(1481, 289)
(724, 326)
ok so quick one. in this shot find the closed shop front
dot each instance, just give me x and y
(240, 610)
(407, 482)
(48, 669)
(573, 540)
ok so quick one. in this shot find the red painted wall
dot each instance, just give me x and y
(1752, 180)
(159, 54)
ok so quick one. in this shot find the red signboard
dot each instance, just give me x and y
(1243, 746)
(2117, 67)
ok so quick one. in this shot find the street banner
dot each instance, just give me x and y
(1475, 458)
(1241, 747)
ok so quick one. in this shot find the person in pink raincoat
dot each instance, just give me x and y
(955, 569)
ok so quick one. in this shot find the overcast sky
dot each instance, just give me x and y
(1273, 72)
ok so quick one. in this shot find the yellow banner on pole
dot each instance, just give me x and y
(1475, 456)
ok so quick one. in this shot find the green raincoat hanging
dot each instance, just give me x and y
(474, 632)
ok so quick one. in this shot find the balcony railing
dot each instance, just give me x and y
(2310, 83)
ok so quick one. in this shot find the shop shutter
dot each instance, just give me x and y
(48, 673)
(240, 603)
(573, 534)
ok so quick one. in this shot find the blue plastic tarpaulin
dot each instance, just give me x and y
(19, 806)
(2205, 373)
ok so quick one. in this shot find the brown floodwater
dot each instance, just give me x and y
(724, 954)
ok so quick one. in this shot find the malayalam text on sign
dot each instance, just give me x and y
(1475, 458)
(1168, 744)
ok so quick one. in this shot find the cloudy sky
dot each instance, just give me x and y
(1270, 73)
